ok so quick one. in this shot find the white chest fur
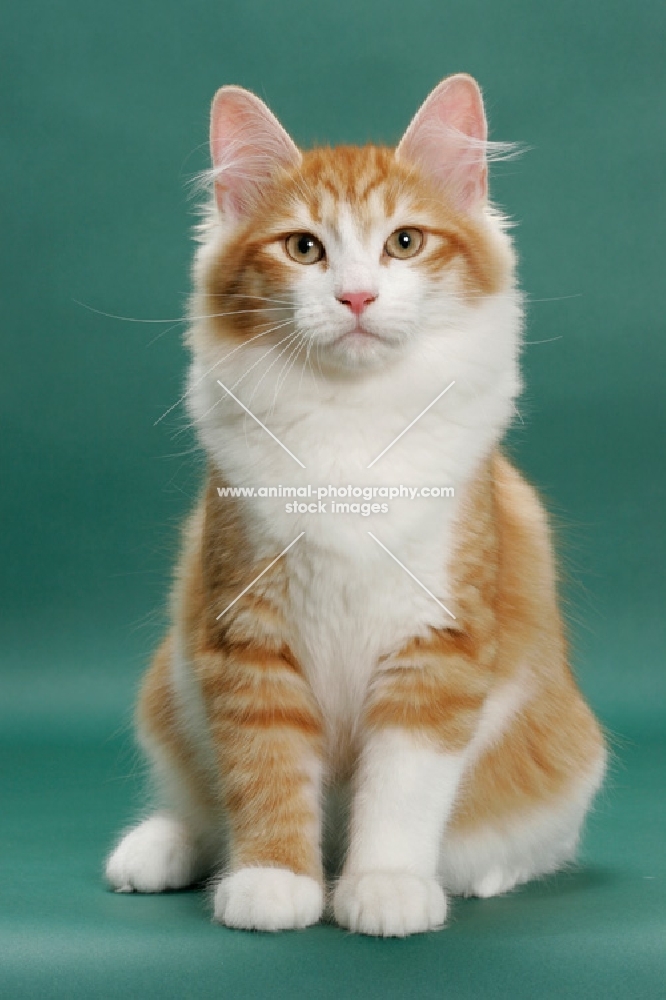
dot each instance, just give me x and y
(349, 601)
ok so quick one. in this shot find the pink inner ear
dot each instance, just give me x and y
(248, 145)
(447, 138)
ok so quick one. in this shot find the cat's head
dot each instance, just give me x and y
(355, 252)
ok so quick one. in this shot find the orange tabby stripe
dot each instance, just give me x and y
(265, 726)
(158, 718)
(267, 734)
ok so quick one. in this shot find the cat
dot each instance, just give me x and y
(413, 657)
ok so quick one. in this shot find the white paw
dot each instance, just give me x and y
(268, 899)
(494, 883)
(157, 854)
(389, 904)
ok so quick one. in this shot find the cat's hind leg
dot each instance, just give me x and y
(493, 860)
(181, 842)
(157, 855)
(507, 847)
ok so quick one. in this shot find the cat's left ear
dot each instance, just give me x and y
(447, 139)
(248, 145)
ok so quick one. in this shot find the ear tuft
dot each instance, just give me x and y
(447, 138)
(248, 145)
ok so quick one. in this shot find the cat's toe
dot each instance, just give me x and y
(389, 904)
(156, 855)
(494, 883)
(268, 899)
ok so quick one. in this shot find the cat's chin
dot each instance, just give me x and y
(358, 351)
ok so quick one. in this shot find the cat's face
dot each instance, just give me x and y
(350, 253)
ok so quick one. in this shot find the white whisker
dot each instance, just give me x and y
(549, 340)
(182, 319)
(286, 368)
(555, 298)
(289, 340)
(212, 368)
(306, 360)
(254, 364)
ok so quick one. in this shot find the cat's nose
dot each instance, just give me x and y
(357, 301)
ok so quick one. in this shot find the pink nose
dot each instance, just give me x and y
(357, 301)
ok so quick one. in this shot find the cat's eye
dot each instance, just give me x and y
(304, 248)
(404, 243)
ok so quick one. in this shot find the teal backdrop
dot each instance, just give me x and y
(104, 123)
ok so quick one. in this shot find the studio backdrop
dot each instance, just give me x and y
(104, 127)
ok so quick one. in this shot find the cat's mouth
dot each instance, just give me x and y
(359, 333)
(359, 336)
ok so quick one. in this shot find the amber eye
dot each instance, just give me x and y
(304, 248)
(404, 243)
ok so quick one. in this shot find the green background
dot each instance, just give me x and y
(104, 121)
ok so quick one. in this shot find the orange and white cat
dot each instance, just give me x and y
(337, 293)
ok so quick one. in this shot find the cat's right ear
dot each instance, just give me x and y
(247, 145)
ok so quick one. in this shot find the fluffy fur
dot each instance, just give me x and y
(469, 754)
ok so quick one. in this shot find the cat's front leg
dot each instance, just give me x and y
(266, 731)
(420, 717)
